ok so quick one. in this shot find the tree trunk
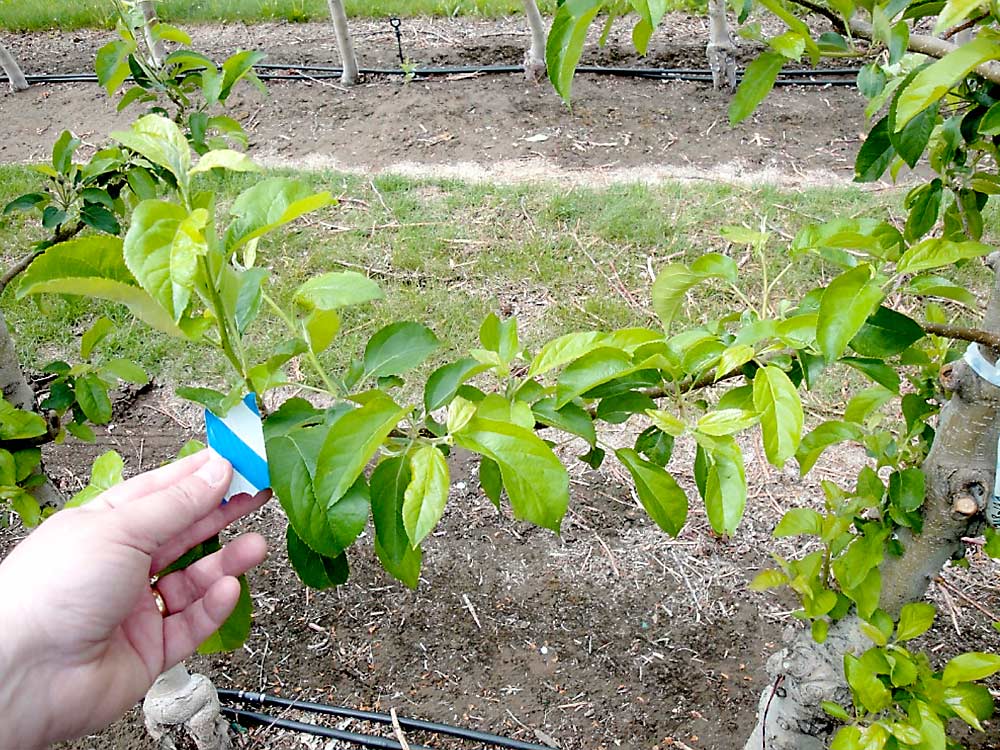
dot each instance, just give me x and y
(12, 70)
(960, 473)
(534, 57)
(182, 708)
(349, 76)
(721, 49)
(15, 389)
(156, 49)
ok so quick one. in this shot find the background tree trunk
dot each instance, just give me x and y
(721, 49)
(961, 466)
(12, 70)
(534, 57)
(153, 42)
(16, 389)
(343, 33)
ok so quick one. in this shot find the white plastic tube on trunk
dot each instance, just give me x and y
(343, 33)
(534, 57)
(182, 708)
(12, 70)
(721, 48)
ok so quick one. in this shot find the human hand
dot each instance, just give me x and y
(81, 637)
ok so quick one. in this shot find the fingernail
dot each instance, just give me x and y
(213, 471)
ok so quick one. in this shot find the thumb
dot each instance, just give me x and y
(151, 520)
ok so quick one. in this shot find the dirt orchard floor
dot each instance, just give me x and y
(495, 127)
(611, 635)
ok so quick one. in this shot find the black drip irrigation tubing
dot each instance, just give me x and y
(808, 77)
(418, 725)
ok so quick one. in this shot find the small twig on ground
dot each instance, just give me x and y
(381, 200)
(951, 608)
(398, 730)
(966, 598)
(472, 610)
(324, 83)
(611, 557)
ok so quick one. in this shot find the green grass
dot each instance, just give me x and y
(16, 15)
(447, 254)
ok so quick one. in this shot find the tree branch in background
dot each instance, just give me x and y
(961, 333)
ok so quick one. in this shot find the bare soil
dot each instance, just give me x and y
(488, 127)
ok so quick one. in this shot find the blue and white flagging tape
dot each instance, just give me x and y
(991, 374)
(239, 438)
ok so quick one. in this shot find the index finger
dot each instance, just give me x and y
(143, 484)
(157, 513)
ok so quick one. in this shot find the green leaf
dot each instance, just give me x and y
(570, 418)
(112, 64)
(655, 445)
(26, 202)
(398, 348)
(100, 218)
(235, 629)
(970, 667)
(444, 382)
(427, 493)
(768, 579)
(227, 159)
(352, 442)
(314, 570)
(819, 630)
(327, 528)
(249, 297)
(915, 619)
(971, 703)
(875, 153)
(781, 417)
(659, 493)
(236, 67)
(935, 252)
(126, 370)
(161, 249)
(535, 480)
(592, 369)
(934, 81)
(835, 710)
(886, 333)
(490, 480)
(565, 42)
(331, 291)
(725, 486)
(106, 472)
(846, 304)
(877, 370)
(92, 396)
(758, 80)
(571, 346)
(825, 435)
(268, 205)
(406, 569)
(867, 688)
(938, 286)
(161, 142)
(725, 422)
(320, 329)
(907, 489)
(388, 487)
(799, 521)
(97, 332)
(619, 408)
(17, 424)
(675, 280)
(93, 267)
(500, 336)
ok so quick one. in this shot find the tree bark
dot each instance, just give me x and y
(960, 474)
(721, 50)
(182, 708)
(156, 49)
(534, 56)
(12, 70)
(16, 389)
(349, 60)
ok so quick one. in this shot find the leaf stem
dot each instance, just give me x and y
(334, 389)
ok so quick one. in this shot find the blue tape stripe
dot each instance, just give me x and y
(239, 454)
(251, 403)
